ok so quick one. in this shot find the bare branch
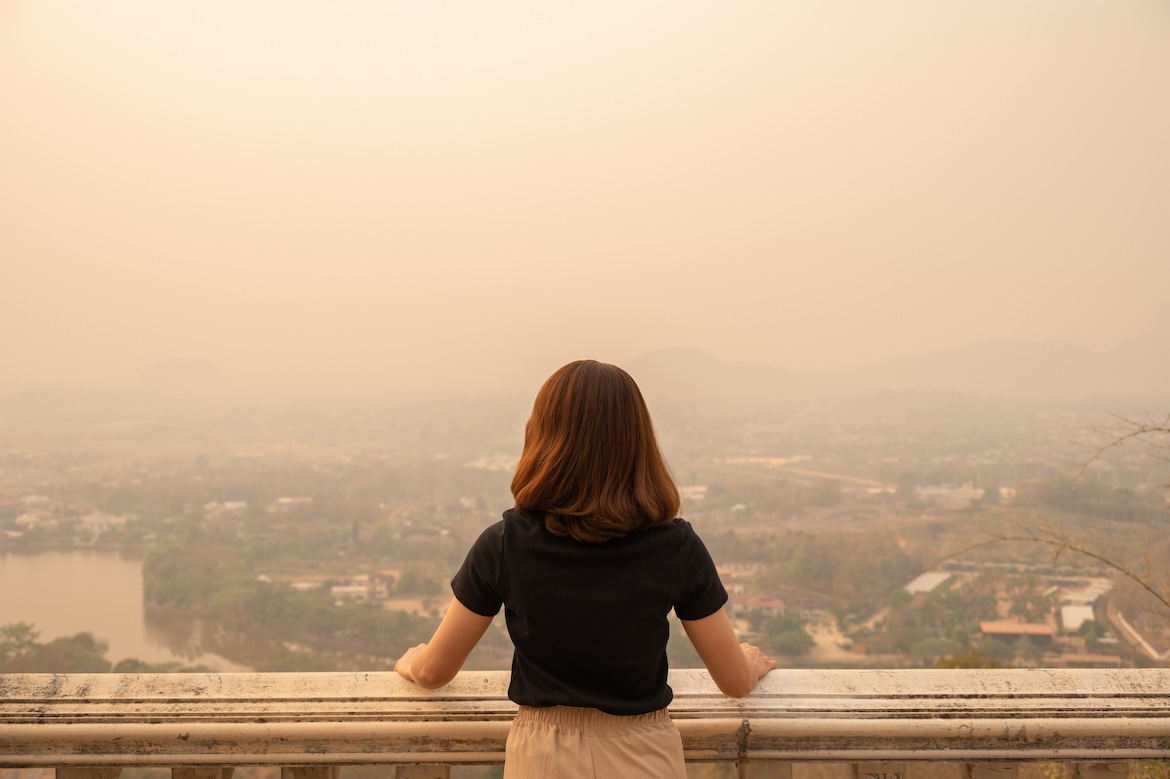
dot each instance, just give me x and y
(1151, 431)
(1060, 542)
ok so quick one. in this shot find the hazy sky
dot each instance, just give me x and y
(319, 195)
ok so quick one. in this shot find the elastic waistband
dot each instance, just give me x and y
(590, 722)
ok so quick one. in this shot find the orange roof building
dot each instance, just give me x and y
(1016, 630)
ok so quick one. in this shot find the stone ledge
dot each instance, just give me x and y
(794, 715)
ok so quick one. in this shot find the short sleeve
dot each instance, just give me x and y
(701, 592)
(477, 583)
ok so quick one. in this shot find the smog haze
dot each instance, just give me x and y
(377, 196)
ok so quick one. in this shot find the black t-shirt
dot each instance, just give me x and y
(589, 620)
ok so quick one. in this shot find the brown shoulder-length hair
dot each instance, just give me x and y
(591, 463)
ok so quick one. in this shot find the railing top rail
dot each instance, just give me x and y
(169, 719)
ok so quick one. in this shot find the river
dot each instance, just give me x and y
(63, 592)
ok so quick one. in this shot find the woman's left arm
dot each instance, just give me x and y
(435, 663)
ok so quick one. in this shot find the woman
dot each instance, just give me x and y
(587, 566)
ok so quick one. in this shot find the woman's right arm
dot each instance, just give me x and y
(435, 663)
(735, 667)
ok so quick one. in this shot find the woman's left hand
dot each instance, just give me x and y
(403, 664)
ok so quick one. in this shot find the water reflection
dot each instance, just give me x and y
(178, 632)
(64, 592)
(182, 635)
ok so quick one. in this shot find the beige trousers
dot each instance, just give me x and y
(563, 742)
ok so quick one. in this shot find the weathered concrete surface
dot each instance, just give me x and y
(976, 716)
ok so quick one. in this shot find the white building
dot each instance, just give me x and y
(927, 582)
(1072, 617)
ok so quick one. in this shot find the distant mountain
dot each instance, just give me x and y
(32, 408)
(1137, 370)
(1143, 362)
(694, 374)
(184, 378)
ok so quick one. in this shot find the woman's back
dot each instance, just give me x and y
(589, 620)
(587, 566)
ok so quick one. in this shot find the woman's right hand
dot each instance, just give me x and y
(757, 660)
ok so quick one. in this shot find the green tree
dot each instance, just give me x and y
(787, 636)
(1092, 631)
(1027, 651)
(995, 649)
(898, 597)
(933, 648)
(968, 659)
(21, 653)
(17, 639)
(791, 642)
(825, 493)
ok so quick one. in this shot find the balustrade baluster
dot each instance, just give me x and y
(747, 769)
(88, 772)
(1100, 770)
(203, 772)
(310, 772)
(423, 772)
(993, 770)
(879, 770)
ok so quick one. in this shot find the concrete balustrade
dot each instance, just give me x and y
(876, 723)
